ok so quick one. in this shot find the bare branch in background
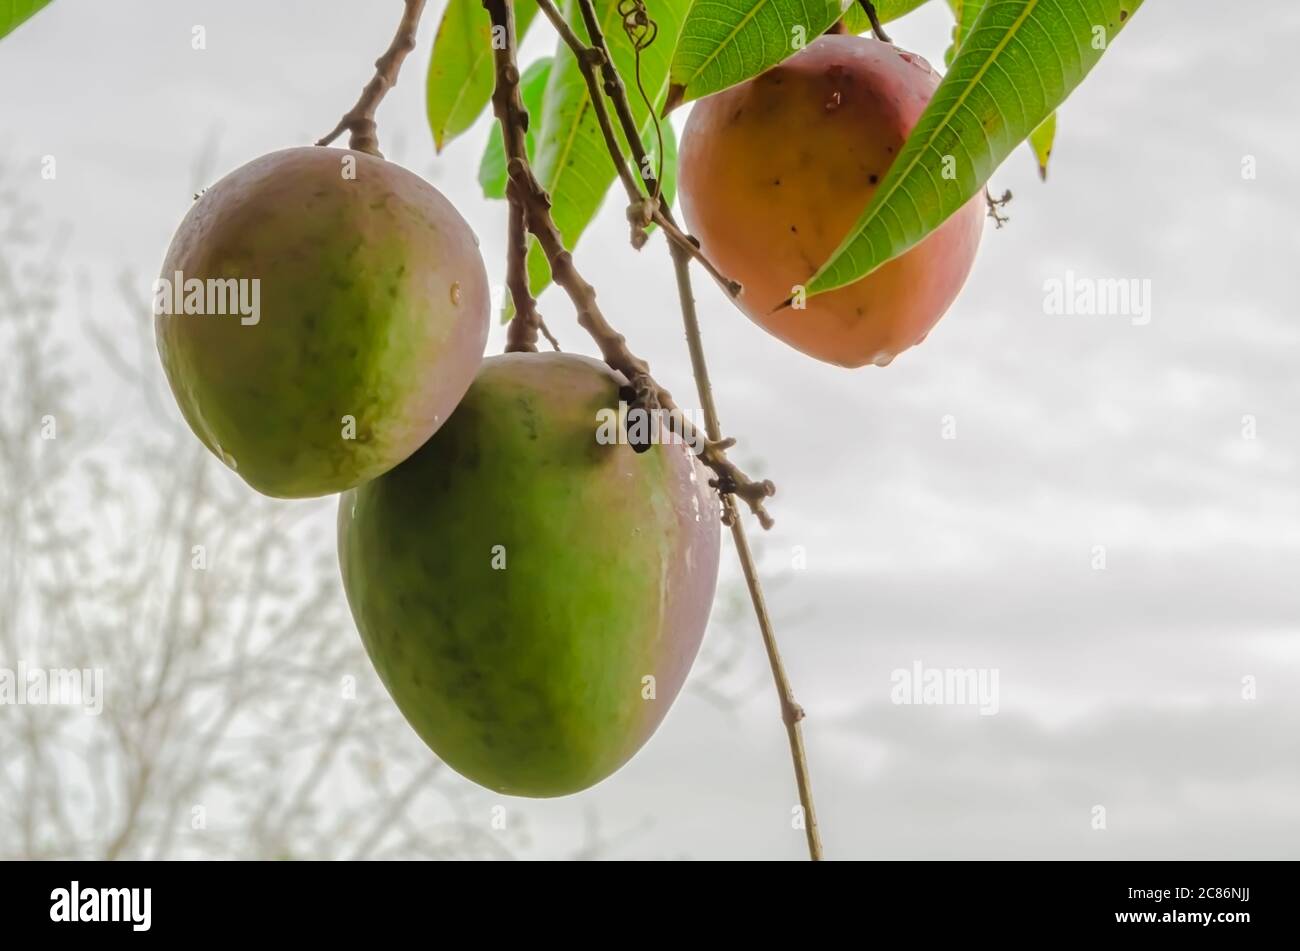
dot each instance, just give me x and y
(241, 717)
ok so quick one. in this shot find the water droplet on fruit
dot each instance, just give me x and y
(455, 293)
(833, 102)
(883, 359)
(228, 459)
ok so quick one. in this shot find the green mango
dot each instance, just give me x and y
(532, 593)
(319, 315)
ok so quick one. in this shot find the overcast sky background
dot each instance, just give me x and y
(1119, 688)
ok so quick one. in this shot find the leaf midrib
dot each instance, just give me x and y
(921, 150)
(717, 50)
(460, 93)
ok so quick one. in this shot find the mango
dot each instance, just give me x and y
(319, 315)
(531, 593)
(775, 171)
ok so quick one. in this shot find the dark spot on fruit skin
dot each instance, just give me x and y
(528, 416)
(794, 230)
(776, 181)
(873, 179)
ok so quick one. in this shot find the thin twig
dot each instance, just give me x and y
(521, 335)
(996, 204)
(507, 104)
(360, 119)
(879, 31)
(791, 713)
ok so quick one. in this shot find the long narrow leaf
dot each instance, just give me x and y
(725, 42)
(14, 12)
(1041, 141)
(459, 83)
(1021, 60)
(1042, 138)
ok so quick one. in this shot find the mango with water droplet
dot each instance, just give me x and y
(319, 313)
(774, 173)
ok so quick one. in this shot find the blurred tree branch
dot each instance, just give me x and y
(241, 718)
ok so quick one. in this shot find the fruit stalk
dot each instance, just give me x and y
(877, 30)
(791, 712)
(359, 121)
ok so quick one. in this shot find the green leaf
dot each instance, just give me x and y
(492, 167)
(1041, 141)
(855, 19)
(1020, 61)
(461, 76)
(966, 13)
(573, 164)
(724, 42)
(14, 12)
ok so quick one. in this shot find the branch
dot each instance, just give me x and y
(521, 335)
(507, 104)
(360, 119)
(869, 9)
(791, 712)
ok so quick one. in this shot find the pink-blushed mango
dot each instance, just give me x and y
(344, 311)
(519, 578)
(774, 173)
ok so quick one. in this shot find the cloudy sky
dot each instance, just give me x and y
(1120, 687)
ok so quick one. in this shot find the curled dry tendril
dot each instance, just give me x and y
(641, 32)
